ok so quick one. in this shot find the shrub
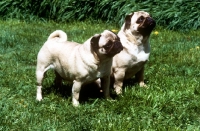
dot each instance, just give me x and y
(177, 14)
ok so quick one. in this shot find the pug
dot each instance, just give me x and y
(78, 63)
(134, 36)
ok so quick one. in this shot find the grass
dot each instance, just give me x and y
(170, 103)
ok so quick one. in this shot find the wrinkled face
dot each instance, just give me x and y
(108, 44)
(140, 22)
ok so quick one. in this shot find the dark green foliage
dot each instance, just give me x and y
(177, 14)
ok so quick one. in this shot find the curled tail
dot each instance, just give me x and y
(58, 34)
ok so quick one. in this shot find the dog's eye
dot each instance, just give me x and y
(140, 19)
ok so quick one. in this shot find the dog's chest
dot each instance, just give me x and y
(142, 56)
(132, 70)
(138, 53)
(137, 59)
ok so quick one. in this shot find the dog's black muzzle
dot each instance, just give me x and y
(146, 27)
(115, 48)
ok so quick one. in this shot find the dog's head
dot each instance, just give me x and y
(139, 22)
(106, 44)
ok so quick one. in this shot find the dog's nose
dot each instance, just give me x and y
(118, 46)
(150, 21)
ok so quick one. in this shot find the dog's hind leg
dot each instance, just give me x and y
(40, 76)
(118, 81)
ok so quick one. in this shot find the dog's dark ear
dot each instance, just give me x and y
(95, 42)
(128, 21)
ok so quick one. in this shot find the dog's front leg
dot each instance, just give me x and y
(140, 77)
(118, 81)
(75, 92)
(105, 84)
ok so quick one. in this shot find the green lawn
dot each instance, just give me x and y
(172, 101)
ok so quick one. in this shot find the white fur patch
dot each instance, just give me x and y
(142, 56)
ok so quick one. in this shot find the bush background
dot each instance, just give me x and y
(176, 14)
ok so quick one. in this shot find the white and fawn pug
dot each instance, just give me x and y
(134, 36)
(78, 63)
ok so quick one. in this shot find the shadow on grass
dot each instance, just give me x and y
(89, 91)
(130, 83)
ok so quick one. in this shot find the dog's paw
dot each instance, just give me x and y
(75, 102)
(142, 84)
(118, 91)
(111, 100)
(39, 97)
